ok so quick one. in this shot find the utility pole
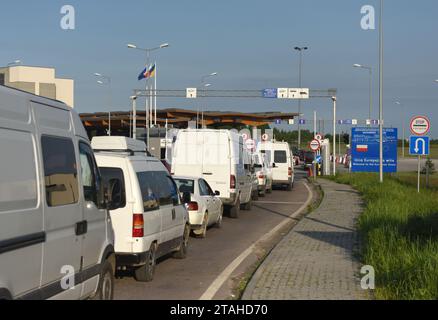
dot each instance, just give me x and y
(300, 50)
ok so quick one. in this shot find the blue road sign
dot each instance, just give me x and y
(278, 121)
(340, 122)
(318, 159)
(365, 150)
(349, 121)
(419, 146)
(302, 121)
(270, 93)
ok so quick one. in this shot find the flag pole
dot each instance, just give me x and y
(155, 93)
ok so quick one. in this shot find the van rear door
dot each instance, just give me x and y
(187, 160)
(216, 165)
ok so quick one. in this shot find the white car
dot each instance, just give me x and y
(56, 239)
(204, 206)
(153, 221)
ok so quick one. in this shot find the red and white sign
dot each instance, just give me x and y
(245, 136)
(250, 144)
(315, 145)
(265, 137)
(420, 125)
(362, 148)
(319, 137)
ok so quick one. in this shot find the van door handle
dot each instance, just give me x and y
(81, 228)
(208, 173)
(173, 214)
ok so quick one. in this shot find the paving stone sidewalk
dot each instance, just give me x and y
(316, 260)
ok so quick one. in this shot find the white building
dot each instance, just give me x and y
(40, 81)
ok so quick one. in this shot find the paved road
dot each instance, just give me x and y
(316, 259)
(208, 258)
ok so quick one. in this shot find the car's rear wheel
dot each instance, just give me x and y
(202, 233)
(146, 272)
(235, 210)
(219, 219)
(105, 290)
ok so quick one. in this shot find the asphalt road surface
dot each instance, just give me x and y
(207, 258)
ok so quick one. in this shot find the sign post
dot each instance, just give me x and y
(419, 146)
(315, 145)
(420, 126)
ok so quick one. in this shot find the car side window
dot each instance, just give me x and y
(60, 171)
(209, 189)
(114, 173)
(150, 199)
(173, 191)
(89, 173)
(203, 189)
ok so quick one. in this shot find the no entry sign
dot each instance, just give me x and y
(315, 145)
(420, 125)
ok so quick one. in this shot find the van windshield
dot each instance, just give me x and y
(280, 157)
(185, 185)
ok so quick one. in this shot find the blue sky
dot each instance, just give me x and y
(250, 44)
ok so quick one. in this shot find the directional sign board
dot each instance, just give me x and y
(420, 125)
(270, 93)
(365, 150)
(319, 137)
(298, 93)
(192, 93)
(282, 93)
(318, 159)
(419, 146)
(315, 145)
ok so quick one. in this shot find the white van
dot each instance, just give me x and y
(56, 239)
(279, 156)
(152, 221)
(218, 157)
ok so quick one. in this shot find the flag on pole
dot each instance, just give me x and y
(148, 72)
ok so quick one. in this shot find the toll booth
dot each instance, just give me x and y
(325, 157)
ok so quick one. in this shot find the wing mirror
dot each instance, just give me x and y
(274, 165)
(114, 194)
(217, 193)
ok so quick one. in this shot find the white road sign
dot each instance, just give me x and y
(192, 93)
(315, 145)
(420, 125)
(250, 144)
(282, 93)
(298, 93)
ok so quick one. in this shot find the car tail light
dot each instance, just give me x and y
(261, 176)
(138, 226)
(192, 206)
(289, 172)
(232, 182)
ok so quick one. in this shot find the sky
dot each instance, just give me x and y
(248, 42)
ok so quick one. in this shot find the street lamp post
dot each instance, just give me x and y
(300, 50)
(149, 111)
(403, 127)
(370, 70)
(381, 91)
(134, 116)
(204, 85)
(334, 135)
(108, 81)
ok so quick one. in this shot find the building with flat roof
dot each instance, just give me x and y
(41, 81)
